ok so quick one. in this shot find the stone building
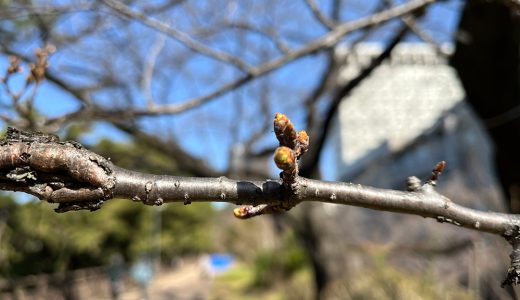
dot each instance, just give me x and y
(402, 120)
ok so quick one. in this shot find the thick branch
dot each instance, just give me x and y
(68, 174)
(42, 165)
(424, 202)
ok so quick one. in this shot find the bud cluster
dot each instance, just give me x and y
(293, 145)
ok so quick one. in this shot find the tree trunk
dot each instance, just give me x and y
(487, 59)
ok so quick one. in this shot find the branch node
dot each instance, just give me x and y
(292, 146)
(187, 199)
(413, 184)
(55, 171)
(151, 198)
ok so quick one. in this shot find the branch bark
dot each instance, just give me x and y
(76, 178)
(51, 169)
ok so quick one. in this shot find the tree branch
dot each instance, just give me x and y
(75, 178)
(322, 43)
(48, 168)
(312, 160)
(319, 15)
(182, 37)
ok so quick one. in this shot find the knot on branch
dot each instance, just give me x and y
(58, 172)
(413, 184)
(512, 235)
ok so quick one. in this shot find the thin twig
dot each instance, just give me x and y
(322, 43)
(319, 15)
(311, 161)
(146, 82)
(411, 22)
(180, 36)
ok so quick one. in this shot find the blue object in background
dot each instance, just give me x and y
(220, 262)
(142, 272)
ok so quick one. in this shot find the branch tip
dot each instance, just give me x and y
(248, 211)
(436, 172)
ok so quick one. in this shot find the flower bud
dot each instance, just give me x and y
(284, 131)
(285, 158)
(303, 142)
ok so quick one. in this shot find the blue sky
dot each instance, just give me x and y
(210, 130)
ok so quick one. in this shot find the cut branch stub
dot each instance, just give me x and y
(58, 172)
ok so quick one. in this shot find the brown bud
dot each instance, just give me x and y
(284, 131)
(241, 212)
(285, 158)
(14, 65)
(249, 211)
(439, 168)
(436, 172)
(303, 143)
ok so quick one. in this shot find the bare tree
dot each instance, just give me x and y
(126, 63)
